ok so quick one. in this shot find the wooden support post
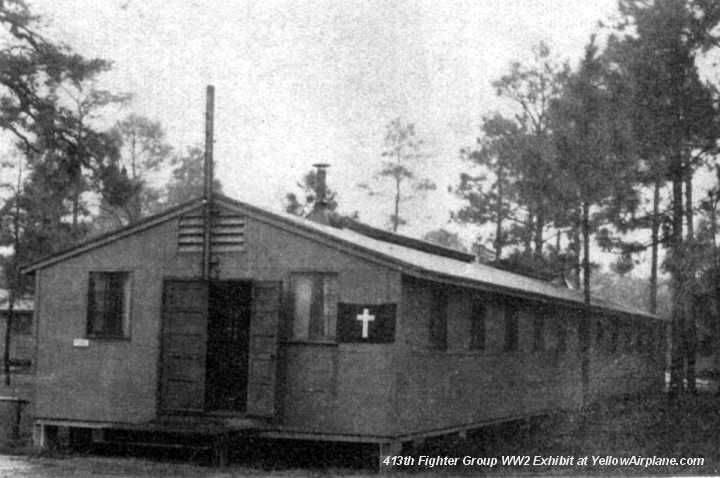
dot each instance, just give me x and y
(97, 435)
(416, 444)
(45, 437)
(38, 437)
(387, 449)
(221, 450)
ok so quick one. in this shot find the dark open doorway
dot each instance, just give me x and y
(229, 314)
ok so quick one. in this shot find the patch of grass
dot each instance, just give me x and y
(635, 426)
(644, 426)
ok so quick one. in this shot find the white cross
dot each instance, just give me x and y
(365, 318)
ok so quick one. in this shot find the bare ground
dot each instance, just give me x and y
(648, 426)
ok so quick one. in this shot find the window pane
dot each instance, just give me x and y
(330, 306)
(539, 335)
(303, 294)
(615, 332)
(317, 308)
(562, 334)
(438, 321)
(108, 303)
(511, 329)
(315, 305)
(115, 300)
(477, 325)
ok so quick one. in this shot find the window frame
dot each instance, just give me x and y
(561, 328)
(330, 316)
(539, 330)
(478, 324)
(511, 341)
(438, 321)
(126, 312)
(600, 335)
(615, 335)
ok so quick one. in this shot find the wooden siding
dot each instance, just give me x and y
(22, 344)
(437, 389)
(117, 381)
(347, 388)
(110, 380)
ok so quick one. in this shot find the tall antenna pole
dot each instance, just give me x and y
(208, 185)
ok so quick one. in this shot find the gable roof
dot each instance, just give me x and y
(408, 260)
(112, 236)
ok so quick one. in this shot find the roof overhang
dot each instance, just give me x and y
(315, 233)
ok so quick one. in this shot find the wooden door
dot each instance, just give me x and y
(263, 348)
(184, 342)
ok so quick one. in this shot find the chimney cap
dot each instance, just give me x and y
(321, 165)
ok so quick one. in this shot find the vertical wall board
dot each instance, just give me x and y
(341, 388)
(311, 386)
(319, 381)
(443, 389)
(458, 325)
(183, 346)
(110, 380)
(262, 366)
(118, 380)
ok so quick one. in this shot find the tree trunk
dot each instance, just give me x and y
(396, 216)
(586, 251)
(690, 320)
(715, 281)
(585, 324)
(528, 233)
(577, 266)
(678, 326)
(654, 244)
(8, 328)
(498, 216)
(539, 226)
(75, 210)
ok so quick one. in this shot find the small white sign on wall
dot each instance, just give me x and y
(81, 343)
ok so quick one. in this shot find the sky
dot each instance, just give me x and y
(301, 82)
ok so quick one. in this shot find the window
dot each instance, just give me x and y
(108, 309)
(315, 306)
(562, 333)
(650, 342)
(628, 337)
(511, 328)
(477, 325)
(539, 331)
(22, 323)
(438, 321)
(599, 334)
(640, 338)
(614, 334)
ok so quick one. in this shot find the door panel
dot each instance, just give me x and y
(263, 348)
(183, 342)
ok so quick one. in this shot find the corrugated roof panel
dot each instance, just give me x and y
(474, 271)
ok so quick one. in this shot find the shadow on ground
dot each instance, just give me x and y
(637, 426)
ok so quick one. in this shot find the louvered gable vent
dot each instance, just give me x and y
(228, 233)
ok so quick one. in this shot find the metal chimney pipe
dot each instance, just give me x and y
(321, 183)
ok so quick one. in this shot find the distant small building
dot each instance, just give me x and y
(22, 339)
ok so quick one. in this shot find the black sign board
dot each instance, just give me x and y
(374, 323)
